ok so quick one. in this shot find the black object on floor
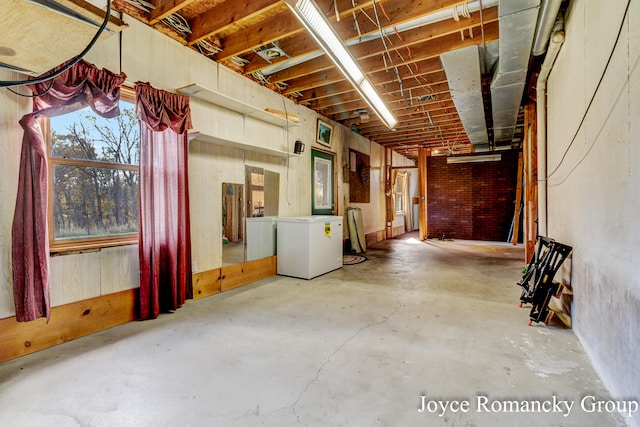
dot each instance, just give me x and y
(537, 282)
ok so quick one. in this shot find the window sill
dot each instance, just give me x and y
(78, 246)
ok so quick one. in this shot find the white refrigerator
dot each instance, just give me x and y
(309, 246)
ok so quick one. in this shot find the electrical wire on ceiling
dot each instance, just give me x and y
(141, 4)
(386, 48)
(464, 12)
(178, 23)
(54, 74)
(207, 48)
(376, 24)
(240, 62)
(387, 53)
(260, 77)
(356, 26)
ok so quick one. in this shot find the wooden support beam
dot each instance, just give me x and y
(165, 8)
(516, 214)
(531, 179)
(283, 26)
(388, 190)
(220, 17)
(430, 49)
(422, 206)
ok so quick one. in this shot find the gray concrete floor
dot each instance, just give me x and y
(355, 347)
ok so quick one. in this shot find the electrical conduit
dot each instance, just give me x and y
(557, 38)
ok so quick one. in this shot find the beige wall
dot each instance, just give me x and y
(594, 196)
(81, 276)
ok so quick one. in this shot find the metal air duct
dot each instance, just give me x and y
(548, 13)
(462, 67)
(517, 27)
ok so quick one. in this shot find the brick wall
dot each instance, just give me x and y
(471, 201)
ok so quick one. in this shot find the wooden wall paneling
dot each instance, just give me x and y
(375, 237)
(206, 283)
(398, 230)
(119, 269)
(67, 322)
(82, 284)
(233, 276)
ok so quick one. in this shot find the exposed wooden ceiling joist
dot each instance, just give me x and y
(405, 68)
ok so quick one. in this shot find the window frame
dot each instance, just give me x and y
(87, 243)
(328, 159)
(399, 196)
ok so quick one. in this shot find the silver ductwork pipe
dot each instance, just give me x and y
(548, 11)
(541, 121)
(462, 67)
(517, 27)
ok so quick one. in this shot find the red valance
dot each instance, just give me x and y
(83, 84)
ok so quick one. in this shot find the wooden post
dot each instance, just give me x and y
(530, 162)
(388, 218)
(422, 178)
(516, 214)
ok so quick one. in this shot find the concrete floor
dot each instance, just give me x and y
(356, 347)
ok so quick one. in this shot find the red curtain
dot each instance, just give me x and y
(164, 232)
(83, 84)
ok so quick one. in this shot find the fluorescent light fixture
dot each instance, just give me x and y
(309, 14)
(475, 159)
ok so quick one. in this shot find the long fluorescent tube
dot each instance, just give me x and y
(475, 159)
(309, 14)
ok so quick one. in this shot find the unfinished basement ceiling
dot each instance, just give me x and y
(263, 40)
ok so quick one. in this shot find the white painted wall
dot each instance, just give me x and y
(594, 196)
(170, 66)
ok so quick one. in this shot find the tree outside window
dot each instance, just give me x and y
(93, 178)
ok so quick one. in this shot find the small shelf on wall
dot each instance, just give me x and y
(239, 145)
(280, 119)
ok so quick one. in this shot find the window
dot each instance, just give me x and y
(93, 178)
(322, 183)
(398, 192)
(399, 203)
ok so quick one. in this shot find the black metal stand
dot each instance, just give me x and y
(537, 282)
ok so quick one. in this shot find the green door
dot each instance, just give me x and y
(322, 183)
